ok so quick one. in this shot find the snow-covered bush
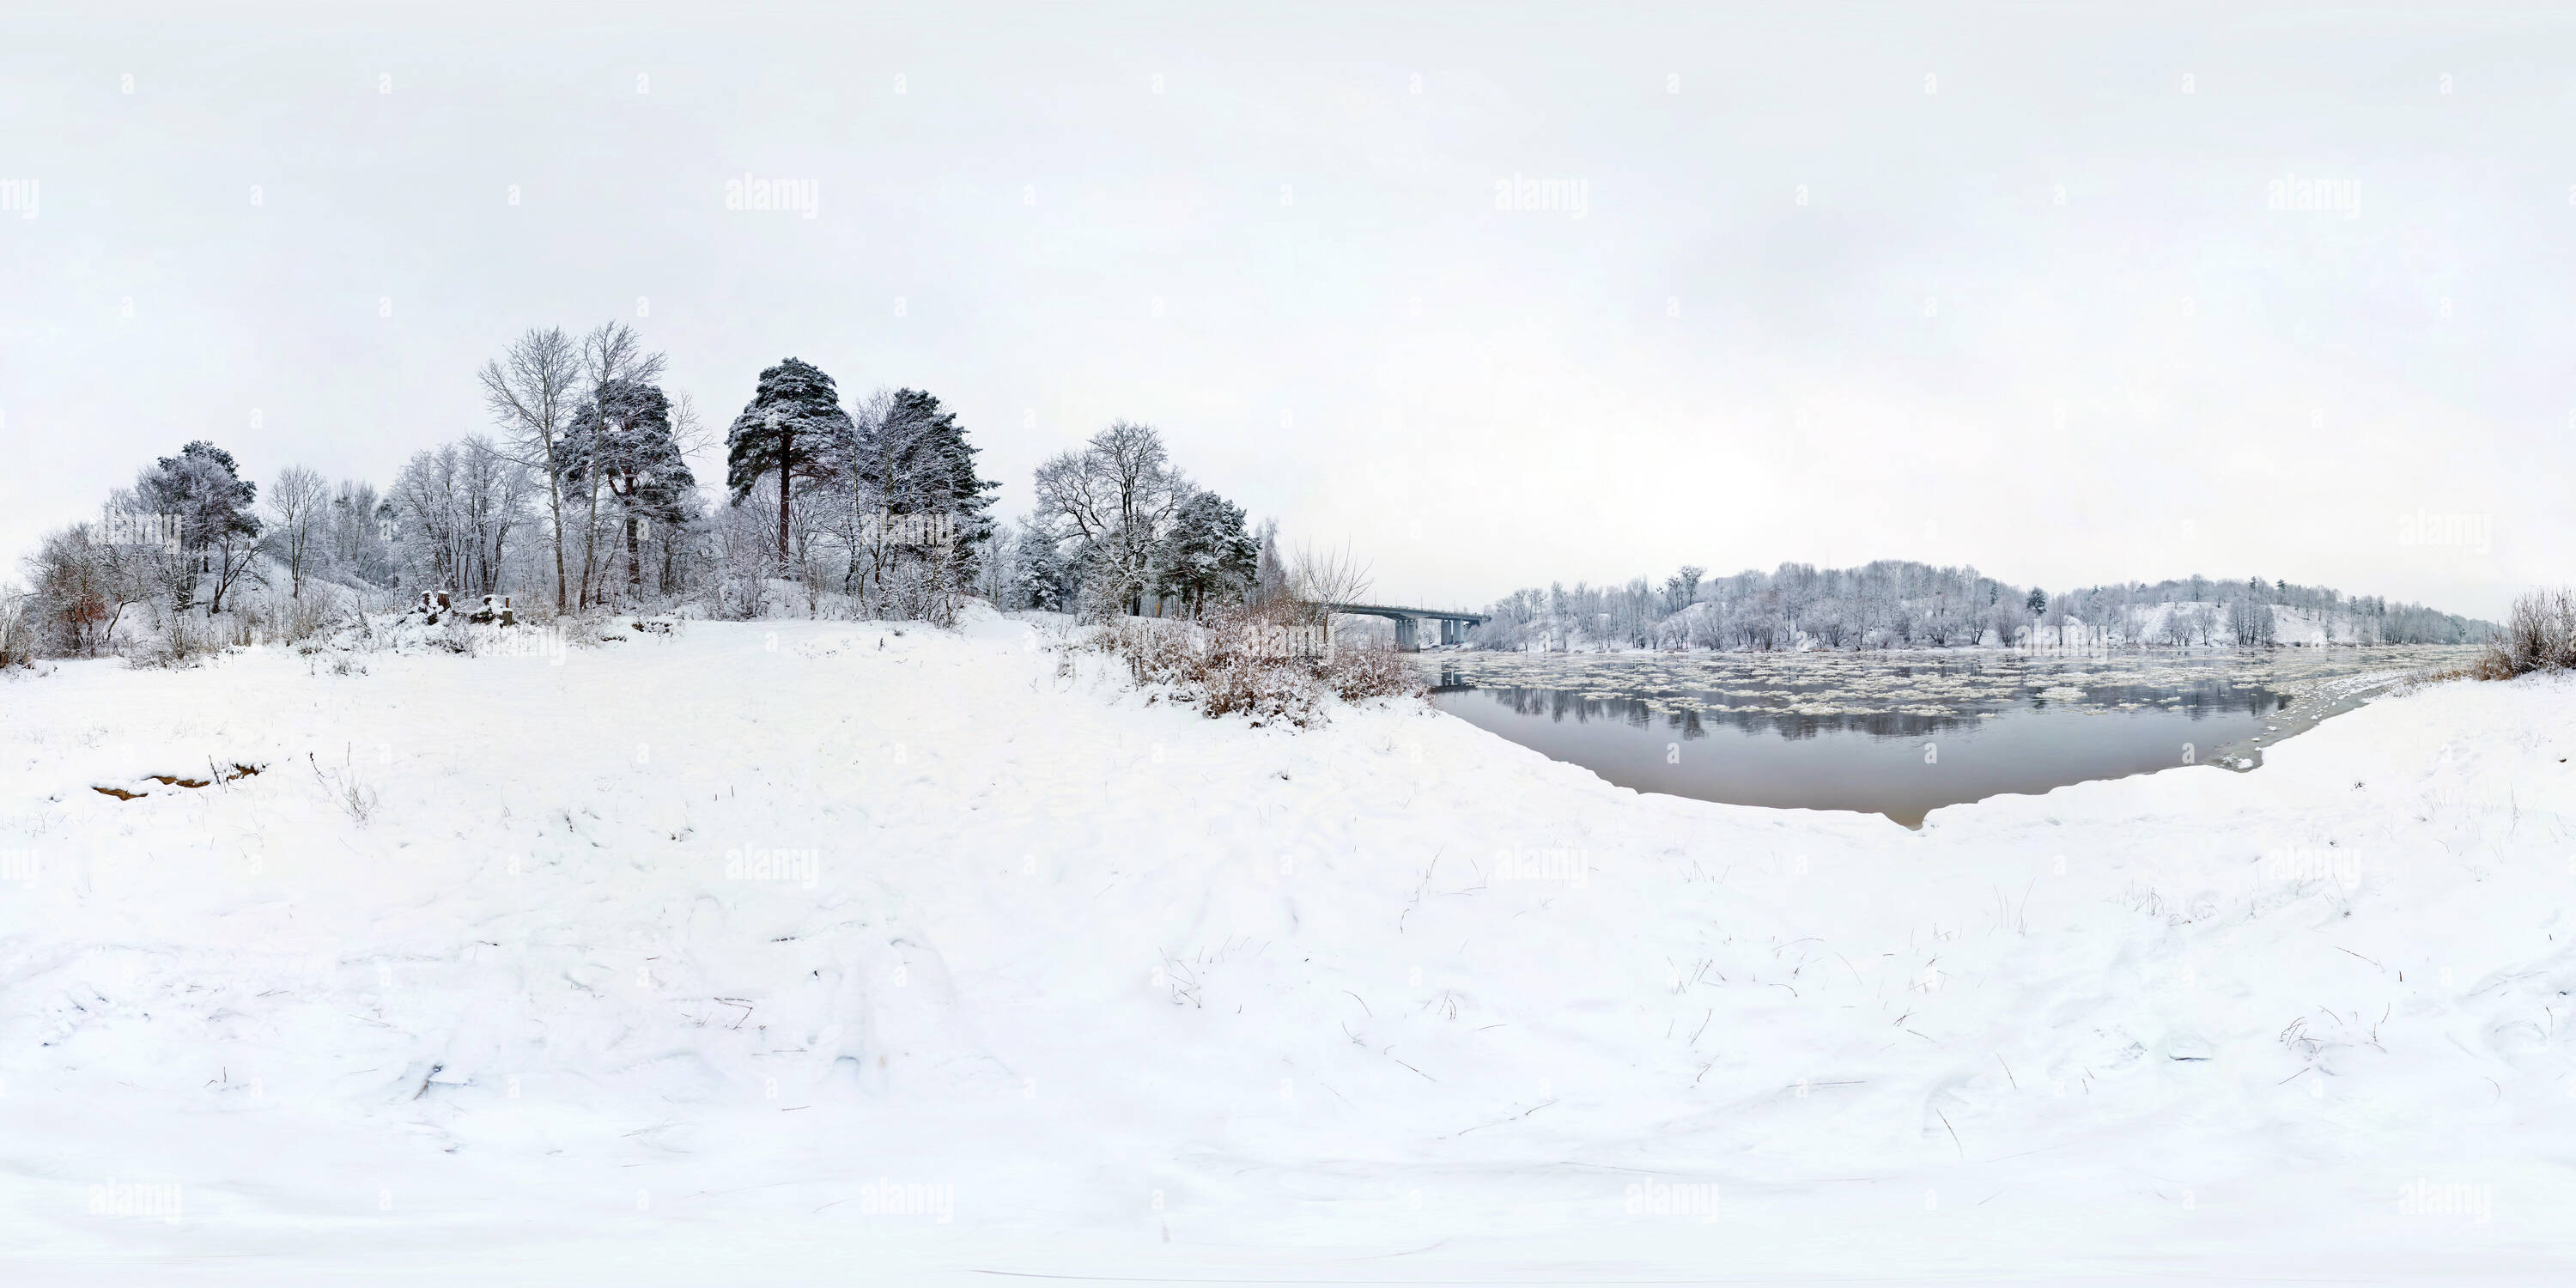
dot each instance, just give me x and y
(185, 641)
(1268, 667)
(1369, 672)
(2539, 634)
(290, 618)
(17, 638)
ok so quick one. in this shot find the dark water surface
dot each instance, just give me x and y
(1895, 734)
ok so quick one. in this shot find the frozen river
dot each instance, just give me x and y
(1898, 734)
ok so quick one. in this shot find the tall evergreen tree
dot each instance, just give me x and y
(204, 491)
(1205, 555)
(914, 460)
(1040, 576)
(638, 462)
(793, 427)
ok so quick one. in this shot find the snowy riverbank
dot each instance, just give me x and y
(779, 951)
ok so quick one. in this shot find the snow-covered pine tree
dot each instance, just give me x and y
(792, 427)
(613, 363)
(910, 462)
(205, 492)
(638, 460)
(1040, 575)
(1205, 555)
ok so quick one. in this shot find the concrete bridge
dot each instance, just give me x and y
(1408, 622)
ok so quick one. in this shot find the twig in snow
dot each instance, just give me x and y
(1954, 1132)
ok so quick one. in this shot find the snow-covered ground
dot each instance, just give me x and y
(792, 952)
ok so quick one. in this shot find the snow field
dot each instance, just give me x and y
(786, 947)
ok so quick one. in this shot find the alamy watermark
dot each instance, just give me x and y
(21, 866)
(797, 196)
(2425, 528)
(1572, 197)
(20, 195)
(118, 1199)
(752, 864)
(128, 528)
(2330, 196)
(890, 1198)
(2294, 865)
(1573, 867)
(2420, 1197)
(1655, 1198)
(889, 529)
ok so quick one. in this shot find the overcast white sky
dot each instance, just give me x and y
(2038, 310)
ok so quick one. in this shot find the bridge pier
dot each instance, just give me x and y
(1408, 635)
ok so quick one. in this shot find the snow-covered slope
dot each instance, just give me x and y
(798, 950)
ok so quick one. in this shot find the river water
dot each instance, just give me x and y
(1898, 734)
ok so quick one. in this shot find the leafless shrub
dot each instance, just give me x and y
(1324, 578)
(324, 656)
(1270, 665)
(342, 785)
(1372, 672)
(2538, 634)
(305, 617)
(186, 641)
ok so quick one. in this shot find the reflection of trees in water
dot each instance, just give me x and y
(2197, 701)
(1561, 705)
(2207, 698)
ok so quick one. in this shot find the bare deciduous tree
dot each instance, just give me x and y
(1117, 492)
(1324, 578)
(297, 501)
(533, 389)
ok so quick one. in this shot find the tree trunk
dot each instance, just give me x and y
(786, 443)
(554, 506)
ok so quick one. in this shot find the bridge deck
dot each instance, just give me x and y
(1392, 610)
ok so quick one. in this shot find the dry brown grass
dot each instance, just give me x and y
(1268, 665)
(2538, 634)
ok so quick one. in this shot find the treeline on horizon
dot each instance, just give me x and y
(581, 498)
(1891, 604)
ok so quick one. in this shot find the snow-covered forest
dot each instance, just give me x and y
(581, 497)
(1893, 604)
